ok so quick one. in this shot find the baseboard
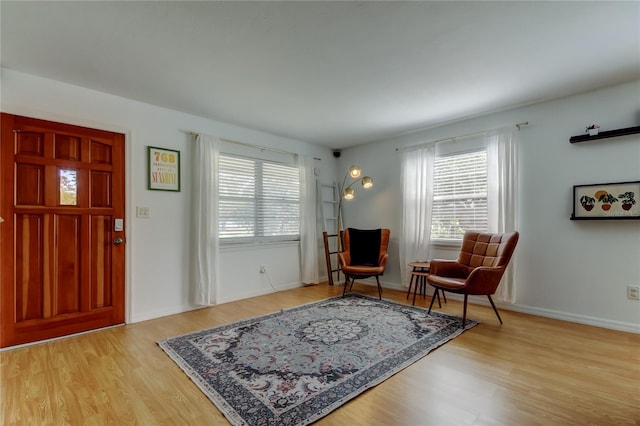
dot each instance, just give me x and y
(541, 312)
(531, 310)
(260, 292)
(186, 308)
(577, 318)
(550, 313)
(146, 316)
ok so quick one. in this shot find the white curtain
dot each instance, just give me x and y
(308, 223)
(204, 210)
(417, 195)
(502, 196)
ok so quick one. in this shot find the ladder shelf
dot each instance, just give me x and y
(331, 235)
(330, 251)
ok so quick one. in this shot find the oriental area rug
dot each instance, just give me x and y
(295, 366)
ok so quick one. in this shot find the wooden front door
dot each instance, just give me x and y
(62, 251)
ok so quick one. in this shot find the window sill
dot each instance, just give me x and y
(446, 243)
(231, 247)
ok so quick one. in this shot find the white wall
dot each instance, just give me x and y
(575, 270)
(158, 248)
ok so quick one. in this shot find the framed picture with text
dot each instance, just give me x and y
(164, 169)
(606, 201)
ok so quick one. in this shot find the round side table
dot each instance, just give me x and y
(418, 279)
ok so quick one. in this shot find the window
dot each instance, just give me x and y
(259, 200)
(459, 194)
(68, 187)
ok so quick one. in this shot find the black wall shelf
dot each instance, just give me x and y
(606, 218)
(607, 134)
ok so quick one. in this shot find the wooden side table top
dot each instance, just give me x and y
(420, 265)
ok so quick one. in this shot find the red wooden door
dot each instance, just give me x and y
(62, 255)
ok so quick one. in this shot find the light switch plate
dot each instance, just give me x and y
(143, 212)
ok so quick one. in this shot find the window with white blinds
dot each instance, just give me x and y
(259, 200)
(459, 194)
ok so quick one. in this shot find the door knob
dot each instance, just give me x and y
(118, 241)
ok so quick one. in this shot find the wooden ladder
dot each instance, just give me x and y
(331, 249)
(330, 236)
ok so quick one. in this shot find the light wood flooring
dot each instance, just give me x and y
(529, 371)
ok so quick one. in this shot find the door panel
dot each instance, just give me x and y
(66, 147)
(100, 189)
(66, 255)
(101, 238)
(30, 143)
(29, 267)
(62, 189)
(30, 184)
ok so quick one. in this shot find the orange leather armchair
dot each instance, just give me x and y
(482, 261)
(364, 255)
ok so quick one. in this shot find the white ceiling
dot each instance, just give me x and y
(332, 73)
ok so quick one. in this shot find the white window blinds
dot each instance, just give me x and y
(459, 195)
(259, 200)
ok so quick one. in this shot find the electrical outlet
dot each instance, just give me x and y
(633, 292)
(263, 269)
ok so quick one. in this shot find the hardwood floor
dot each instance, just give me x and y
(529, 371)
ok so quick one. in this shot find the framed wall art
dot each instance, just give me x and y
(617, 200)
(164, 169)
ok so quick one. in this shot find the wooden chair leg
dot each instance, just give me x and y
(379, 288)
(433, 298)
(346, 283)
(464, 311)
(438, 294)
(494, 308)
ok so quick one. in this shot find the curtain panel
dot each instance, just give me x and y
(417, 202)
(502, 197)
(204, 221)
(310, 271)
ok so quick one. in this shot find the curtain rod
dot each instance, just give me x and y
(453, 138)
(263, 148)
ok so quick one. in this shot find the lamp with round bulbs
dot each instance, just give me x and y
(348, 192)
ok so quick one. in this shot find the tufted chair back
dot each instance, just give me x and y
(484, 249)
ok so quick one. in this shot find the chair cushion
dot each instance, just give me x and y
(446, 283)
(364, 246)
(362, 271)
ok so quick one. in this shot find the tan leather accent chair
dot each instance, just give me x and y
(364, 255)
(480, 266)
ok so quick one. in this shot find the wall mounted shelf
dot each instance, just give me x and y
(607, 134)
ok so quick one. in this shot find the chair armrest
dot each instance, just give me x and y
(383, 260)
(484, 280)
(344, 258)
(448, 268)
